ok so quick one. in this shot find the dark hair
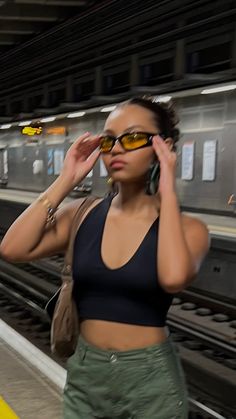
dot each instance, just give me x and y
(164, 114)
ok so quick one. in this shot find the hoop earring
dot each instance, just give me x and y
(110, 182)
(153, 179)
(112, 187)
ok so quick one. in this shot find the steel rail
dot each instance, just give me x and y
(200, 407)
(209, 301)
(211, 340)
(23, 300)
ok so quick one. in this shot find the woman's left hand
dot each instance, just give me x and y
(167, 159)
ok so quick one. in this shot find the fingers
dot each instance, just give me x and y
(86, 140)
(89, 144)
(81, 139)
(162, 148)
(84, 146)
(93, 157)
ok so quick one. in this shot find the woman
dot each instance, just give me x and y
(132, 252)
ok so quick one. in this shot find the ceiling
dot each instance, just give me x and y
(22, 20)
(57, 55)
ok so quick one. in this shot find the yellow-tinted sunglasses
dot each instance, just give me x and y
(129, 141)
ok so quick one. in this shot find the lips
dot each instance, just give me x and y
(117, 163)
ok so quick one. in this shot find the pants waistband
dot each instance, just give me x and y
(85, 349)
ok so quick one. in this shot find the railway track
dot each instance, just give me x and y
(207, 347)
(212, 322)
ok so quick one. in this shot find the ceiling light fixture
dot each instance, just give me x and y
(48, 119)
(24, 123)
(75, 114)
(163, 99)
(108, 109)
(5, 126)
(218, 89)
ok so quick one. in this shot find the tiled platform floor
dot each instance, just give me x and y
(26, 390)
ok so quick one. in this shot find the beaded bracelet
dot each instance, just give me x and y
(50, 210)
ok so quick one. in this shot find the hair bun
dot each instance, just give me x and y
(164, 113)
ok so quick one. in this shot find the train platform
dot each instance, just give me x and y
(219, 225)
(21, 197)
(31, 383)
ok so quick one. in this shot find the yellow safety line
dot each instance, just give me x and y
(5, 411)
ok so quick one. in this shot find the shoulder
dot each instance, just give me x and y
(189, 221)
(194, 224)
(195, 229)
(69, 210)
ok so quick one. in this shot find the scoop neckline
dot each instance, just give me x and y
(136, 251)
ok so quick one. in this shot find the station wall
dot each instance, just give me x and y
(206, 170)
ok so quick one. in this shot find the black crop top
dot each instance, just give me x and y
(130, 294)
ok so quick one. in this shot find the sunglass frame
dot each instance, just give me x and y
(119, 139)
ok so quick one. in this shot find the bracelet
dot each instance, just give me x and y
(50, 210)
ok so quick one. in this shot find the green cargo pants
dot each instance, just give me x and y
(145, 383)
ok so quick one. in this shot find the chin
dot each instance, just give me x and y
(124, 179)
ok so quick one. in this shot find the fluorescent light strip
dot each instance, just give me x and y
(218, 89)
(48, 119)
(163, 99)
(108, 109)
(75, 114)
(24, 123)
(5, 126)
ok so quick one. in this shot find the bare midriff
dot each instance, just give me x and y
(119, 336)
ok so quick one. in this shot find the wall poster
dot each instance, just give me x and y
(209, 160)
(187, 160)
(50, 161)
(5, 162)
(58, 161)
(103, 171)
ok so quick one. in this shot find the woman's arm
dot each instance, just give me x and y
(183, 242)
(30, 237)
(182, 245)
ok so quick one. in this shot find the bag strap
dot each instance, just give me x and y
(86, 203)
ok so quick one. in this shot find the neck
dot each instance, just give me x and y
(132, 198)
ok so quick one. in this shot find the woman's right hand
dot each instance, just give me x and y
(80, 158)
(29, 237)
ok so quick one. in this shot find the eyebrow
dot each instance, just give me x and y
(135, 126)
(132, 127)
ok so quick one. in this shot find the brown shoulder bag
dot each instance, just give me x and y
(61, 307)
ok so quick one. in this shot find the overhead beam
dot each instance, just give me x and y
(33, 13)
(10, 39)
(15, 32)
(71, 3)
(6, 43)
(22, 27)
(4, 48)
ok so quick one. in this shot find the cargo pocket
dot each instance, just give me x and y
(163, 394)
(177, 393)
(75, 392)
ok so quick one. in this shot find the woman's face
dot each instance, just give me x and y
(129, 166)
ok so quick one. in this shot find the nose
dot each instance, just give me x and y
(117, 148)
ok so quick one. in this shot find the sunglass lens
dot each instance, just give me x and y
(134, 141)
(106, 144)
